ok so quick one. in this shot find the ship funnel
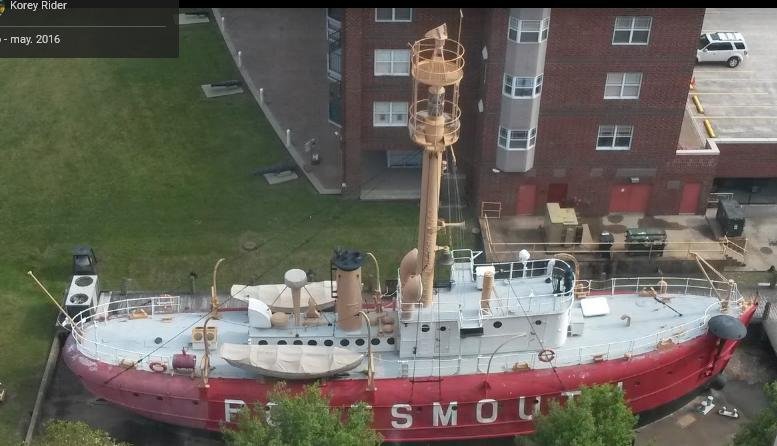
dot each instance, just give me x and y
(411, 295)
(295, 279)
(348, 275)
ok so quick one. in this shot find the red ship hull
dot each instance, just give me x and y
(420, 410)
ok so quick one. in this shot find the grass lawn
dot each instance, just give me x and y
(129, 157)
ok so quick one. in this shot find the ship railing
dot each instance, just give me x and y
(136, 308)
(605, 351)
(674, 285)
(422, 368)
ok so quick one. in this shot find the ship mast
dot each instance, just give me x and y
(434, 124)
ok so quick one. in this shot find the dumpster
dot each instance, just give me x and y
(731, 217)
(606, 240)
(645, 241)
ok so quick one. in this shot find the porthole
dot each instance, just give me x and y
(443, 328)
(375, 341)
(135, 394)
(158, 341)
(344, 342)
(195, 402)
(312, 342)
(498, 324)
(538, 322)
(390, 341)
(328, 342)
(425, 328)
(159, 398)
(297, 342)
(360, 342)
(281, 342)
(262, 342)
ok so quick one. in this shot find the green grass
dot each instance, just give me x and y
(129, 157)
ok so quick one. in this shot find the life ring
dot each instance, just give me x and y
(547, 355)
(157, 367)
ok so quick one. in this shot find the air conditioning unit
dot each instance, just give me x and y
(200, 335)
(82, 294)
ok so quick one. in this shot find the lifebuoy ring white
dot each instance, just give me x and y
(157, 367)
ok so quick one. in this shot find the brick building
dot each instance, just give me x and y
(578, 106)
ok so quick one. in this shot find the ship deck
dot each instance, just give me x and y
(114, 337)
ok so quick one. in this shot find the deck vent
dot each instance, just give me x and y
(82, 294)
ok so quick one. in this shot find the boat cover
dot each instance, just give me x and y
(278, 296)
(291, 361)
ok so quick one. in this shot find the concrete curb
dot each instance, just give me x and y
(281, 133)
(56, 346)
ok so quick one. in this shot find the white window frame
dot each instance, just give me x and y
(622, 84)
(517, 27)
(507, 137)
(536, 86)
(394, 58)
(631, 28)
(614, 132)
(392, 113)
(394, 16)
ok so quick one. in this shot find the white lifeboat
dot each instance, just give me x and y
(291, 361)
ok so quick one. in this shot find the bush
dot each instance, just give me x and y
(762, 429)
(302, 420)
(74, 433)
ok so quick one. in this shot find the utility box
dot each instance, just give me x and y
(645, 241)
(730, 217)
(561, 226)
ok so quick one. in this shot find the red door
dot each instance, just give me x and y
(527, 196)
(557, 193)
(689, 202)
(629, 198)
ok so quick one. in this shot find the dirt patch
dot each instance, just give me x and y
(652, 222)
(615, 218)
(766, 250)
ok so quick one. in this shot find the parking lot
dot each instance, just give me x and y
(740, 102)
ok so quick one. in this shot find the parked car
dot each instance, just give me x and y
(722, 46)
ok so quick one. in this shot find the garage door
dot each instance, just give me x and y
(629, 198)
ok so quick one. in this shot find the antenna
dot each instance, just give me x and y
(434, 124)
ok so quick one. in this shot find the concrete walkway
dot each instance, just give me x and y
(283, 53)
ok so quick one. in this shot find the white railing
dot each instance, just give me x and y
(142, 307)
(674, 285)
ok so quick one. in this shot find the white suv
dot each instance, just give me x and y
(729, 47)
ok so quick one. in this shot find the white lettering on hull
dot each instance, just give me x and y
(401, 420)
(446, 418)
(522, 408)
(479, 411)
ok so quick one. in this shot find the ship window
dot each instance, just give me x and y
(344, 342)
(160, 398)
(297, 342)
(312, 342)
(135, 394)
(195, 402)
(328, 342)
(443, 328)
(375, 341)
(158, 341)
(262, 342)
(498, 324)
(425, 328)
(360, 342)
(390, 341)
(538, 322)
(281, 342)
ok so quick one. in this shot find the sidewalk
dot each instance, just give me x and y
(283, 53)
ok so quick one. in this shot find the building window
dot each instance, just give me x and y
(517, 139)
(393, 14)
(404, 158)
(522, 87)
(528, 31)
(631, 30)
(622, 85)
(392, 62)
(389, 114)
(614, 137)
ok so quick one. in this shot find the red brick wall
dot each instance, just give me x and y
(364, 37)
(747, 160)
(579, 56)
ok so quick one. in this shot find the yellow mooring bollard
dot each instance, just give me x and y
(696, 101)
(708, 126)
